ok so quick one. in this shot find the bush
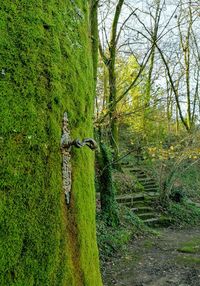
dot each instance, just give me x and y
(184, 213)
(178, 195)
(123, 183)
(113, 239)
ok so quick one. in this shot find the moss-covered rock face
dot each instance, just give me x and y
(45, 69)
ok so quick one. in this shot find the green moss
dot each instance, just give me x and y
(149, 244)
(189, 260)
(46, 69)
(184, 213)
(113, 239)
(192, 246)
(107, 191)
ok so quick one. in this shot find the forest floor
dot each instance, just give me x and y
(169, 259)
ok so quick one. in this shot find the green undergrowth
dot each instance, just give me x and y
(190, 182)
(46, 69)
(183, 213)
(113, 239)
(188, 260)
(189, 252)
(192, 246)
(107, 189)
(126, 183)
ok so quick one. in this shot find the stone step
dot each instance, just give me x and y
(150, 189)
(136, 196)
(126, 164)
(130, 198)
(143, 209)
(135, 168)
(130, 204)
(151, 221)
(149, 215)
(150, 186)
(130, 167)
(147, 180)
(152, 194)
(153, 189)
(142, 203)
(141, 176)
(137, 171)
(138, 204)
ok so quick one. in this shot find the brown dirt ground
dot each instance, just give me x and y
(156, 261)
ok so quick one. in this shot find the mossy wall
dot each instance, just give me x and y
(107, 190)
(45, 69)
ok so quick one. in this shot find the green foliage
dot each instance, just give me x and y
(192, 246)
(107, 191)
(192, 249)
(123, 183)
(177, 195)
(184, 213)
(113, 239)
(132, 221)
(190, 182)
(192, 260)
(46, 70)
(110, 239)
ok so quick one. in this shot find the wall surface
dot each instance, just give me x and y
(45, 69)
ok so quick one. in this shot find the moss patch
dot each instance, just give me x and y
(149, 244)
(189, 260)
(46, 69)
(191, 252)
(192, 246)
(184, 213)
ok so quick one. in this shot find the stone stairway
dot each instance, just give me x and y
(142, 202)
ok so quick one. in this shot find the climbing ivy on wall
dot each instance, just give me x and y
(107, 190)
(45, 69)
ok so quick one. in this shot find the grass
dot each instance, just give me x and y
(183, 213)
(113, 239)
(148, 244)
(192, 246)
(192, 260)
(191, 252)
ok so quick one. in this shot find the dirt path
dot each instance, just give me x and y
(157, 261)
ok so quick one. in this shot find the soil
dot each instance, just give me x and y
(156, 261)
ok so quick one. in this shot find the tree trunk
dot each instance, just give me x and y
(113, 120)
(46, 69)
(110, 64)
(107, 191)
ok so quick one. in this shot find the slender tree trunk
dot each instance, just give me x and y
(109, 62)
(112, 81)
(152, 58)
(113, 111)
(177, 121)
(169, 106)
(186, 53)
